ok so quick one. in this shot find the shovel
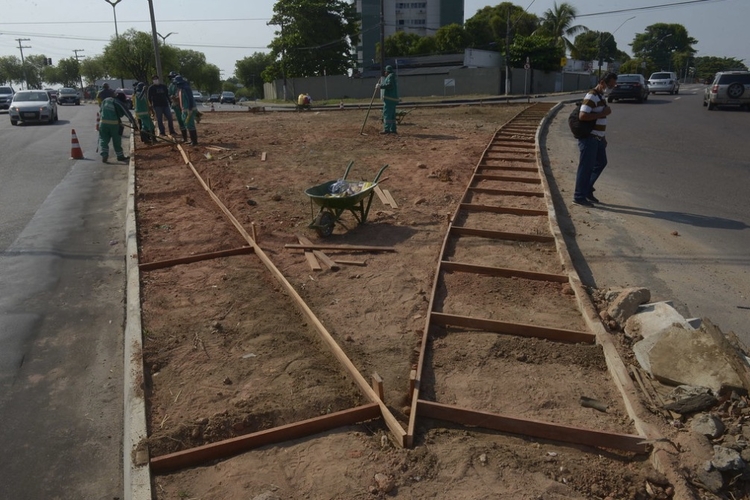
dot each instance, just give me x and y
(362, 130)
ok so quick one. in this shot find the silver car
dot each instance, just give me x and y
(664, 81)
(32, 106)
(729, 88)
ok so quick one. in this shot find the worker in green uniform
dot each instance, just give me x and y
(143, 113)
(188, 107)
(113, 108)
(389, 85)
(175, 102)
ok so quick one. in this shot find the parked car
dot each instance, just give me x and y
(664, 81)
(214, 98)
(32, 106)
(197, 96)
(6, 96)
(630, 86)
(68, 95)
(52, 93)
(228, 97)
(729, 88)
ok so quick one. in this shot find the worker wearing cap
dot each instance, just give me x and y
(143, 113)
(112, 109)
(158, 96)
(175, 103)
(390, 100)
(104, 93)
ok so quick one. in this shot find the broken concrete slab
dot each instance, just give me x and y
(626, 303)
(692, 357)
(650, 319)
(708, 425)
(686, 399)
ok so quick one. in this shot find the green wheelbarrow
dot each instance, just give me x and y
(335, 197)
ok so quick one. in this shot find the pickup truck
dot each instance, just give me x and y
(68, 95)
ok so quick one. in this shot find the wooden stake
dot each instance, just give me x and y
(263, 156)
(254, 231)
(380, 194)
(412, 382)
(391, 201)
(377, 386)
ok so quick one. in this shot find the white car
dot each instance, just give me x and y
(197, 96)
(32, 106)
(664, 81)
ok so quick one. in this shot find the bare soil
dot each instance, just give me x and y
(226, 352)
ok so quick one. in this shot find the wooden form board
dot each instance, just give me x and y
(472, 207)
(343, 248)
(311, 260)
(326, 260)
(518, 329)
(534, 428)
(499, 235)
(507, 168)
(389, 196)
(507, 178)
(393, 425)
(233, 446)
(507, 192)
(380, 194)
(502, 272)
(150, 266)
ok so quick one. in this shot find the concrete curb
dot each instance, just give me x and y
(136, 469)
(662, 449)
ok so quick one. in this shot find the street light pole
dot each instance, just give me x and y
(164, 37)
(114, 3)
(601, 43)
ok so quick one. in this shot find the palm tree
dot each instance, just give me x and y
(558, 23)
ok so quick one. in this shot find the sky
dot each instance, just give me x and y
(229, 30)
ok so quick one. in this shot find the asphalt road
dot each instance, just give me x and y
(676, 208)
(61, 312)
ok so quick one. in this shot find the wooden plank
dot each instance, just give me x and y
(500, 235)
(507, 192)
(518, 329)
(501, 271)
(263, 156)
(343, 248)
(151, 266)
(533, 428)
(229, 447)
(473, 207)
(507, 168)
(326, 260)
(380, 194)
(399, 434)
(350, 262)
(489, 177)
(412, 382)
(391, 201)
(311, 260)
(377, 386)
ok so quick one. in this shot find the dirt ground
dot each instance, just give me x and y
(227, 353)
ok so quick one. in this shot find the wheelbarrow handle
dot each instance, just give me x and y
(349, 167)
(379, 173)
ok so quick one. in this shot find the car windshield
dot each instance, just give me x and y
(660, 76)
(628, 79)
(5, 90)
(31, 96)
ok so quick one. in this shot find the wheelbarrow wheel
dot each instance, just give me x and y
(324, 223)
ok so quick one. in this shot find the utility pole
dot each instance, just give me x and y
(507, 54)
(382, 37)
(23, 65)
(155, 42)
(80, 78)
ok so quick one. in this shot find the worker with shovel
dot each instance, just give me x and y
(389, 85)
(113, 108)
(188, 107)
(143, 113)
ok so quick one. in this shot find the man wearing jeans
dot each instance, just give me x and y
(158, 96)
(593, 149)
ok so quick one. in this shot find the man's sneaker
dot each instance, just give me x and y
(593, 199)
(104, 159)
(123, 158)
(583, 203)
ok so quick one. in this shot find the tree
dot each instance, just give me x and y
(67, 72)
(401, 44)
(540, 49)
(706, 67)
(489, 26)
(131, 56)
(249, 70)
(660, 42)
(558, 23)
(592, 45)
(34, 70)
(10, 69)
(315, 37)
(93, 69)
(451, 39)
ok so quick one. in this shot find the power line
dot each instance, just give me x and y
(650, 7)
(35, 23)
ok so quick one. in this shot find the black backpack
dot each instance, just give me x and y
(581, 130)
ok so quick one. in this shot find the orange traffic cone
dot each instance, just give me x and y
(76, 153)
(97, 121)
(212, 107)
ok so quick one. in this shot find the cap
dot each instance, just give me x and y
(105, 86)
(389, 69)
(172, 74)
